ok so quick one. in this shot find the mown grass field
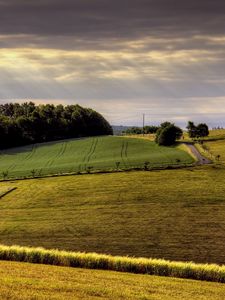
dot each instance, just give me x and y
(97, 153)
(5, 190)
(217, 134)
(29, 281)
(173, 214)
(217, 148)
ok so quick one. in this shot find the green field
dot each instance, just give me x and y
(28, 281)
(173, 214)
(98, 153)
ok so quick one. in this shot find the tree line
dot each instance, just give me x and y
(140, 130)
(27, 123)
(167, 133)
(197, 131)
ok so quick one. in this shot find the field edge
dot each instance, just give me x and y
(158, 267)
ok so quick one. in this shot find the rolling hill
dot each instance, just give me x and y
(88, 154)
(173, 214)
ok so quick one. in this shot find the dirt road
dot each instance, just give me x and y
(201, 159)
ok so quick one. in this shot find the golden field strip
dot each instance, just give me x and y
(159, 267)
(25, 281)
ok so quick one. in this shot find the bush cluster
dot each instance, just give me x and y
(140, 130)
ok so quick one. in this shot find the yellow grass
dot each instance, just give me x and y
(159, 267)
(24, 281)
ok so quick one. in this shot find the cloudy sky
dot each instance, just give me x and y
(164, 58)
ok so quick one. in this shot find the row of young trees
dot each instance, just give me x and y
(27, 123)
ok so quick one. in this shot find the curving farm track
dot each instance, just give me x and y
(201, 160)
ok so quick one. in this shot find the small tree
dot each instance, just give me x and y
(88, 169)
(218, 157)
(5, 174)
(167, 134)
(191, 129)
(146, 165)
(205, 147)
(33, 173)
(201, 130)
(117, 165)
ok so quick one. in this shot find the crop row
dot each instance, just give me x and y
(57, 171)
(159, 267)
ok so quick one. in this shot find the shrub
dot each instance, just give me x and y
(167, 134)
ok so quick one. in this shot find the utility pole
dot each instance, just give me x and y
(143, 124)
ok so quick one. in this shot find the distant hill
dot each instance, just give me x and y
(118, 129)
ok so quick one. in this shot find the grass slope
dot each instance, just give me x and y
(28, 281)
(217, 148)
(216, 134)
(99, 153)
(172, 214)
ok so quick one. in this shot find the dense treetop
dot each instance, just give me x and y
(201, 130)
(167, 134)
(27, 123)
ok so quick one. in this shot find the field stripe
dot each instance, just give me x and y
(90, 149)
(123, 153)
(25, 159)
(158, 267)
(60, 153)
(32, 152)
(87, 154)
(93, 150)
(90, 153)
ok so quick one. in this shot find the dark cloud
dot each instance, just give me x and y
(106, 18)
(166, 56)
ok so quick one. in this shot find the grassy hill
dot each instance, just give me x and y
(30, 281)
(172, 214)
(98, 153)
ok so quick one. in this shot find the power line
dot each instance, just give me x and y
(143, 124)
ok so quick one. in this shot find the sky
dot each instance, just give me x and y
(123, 58)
